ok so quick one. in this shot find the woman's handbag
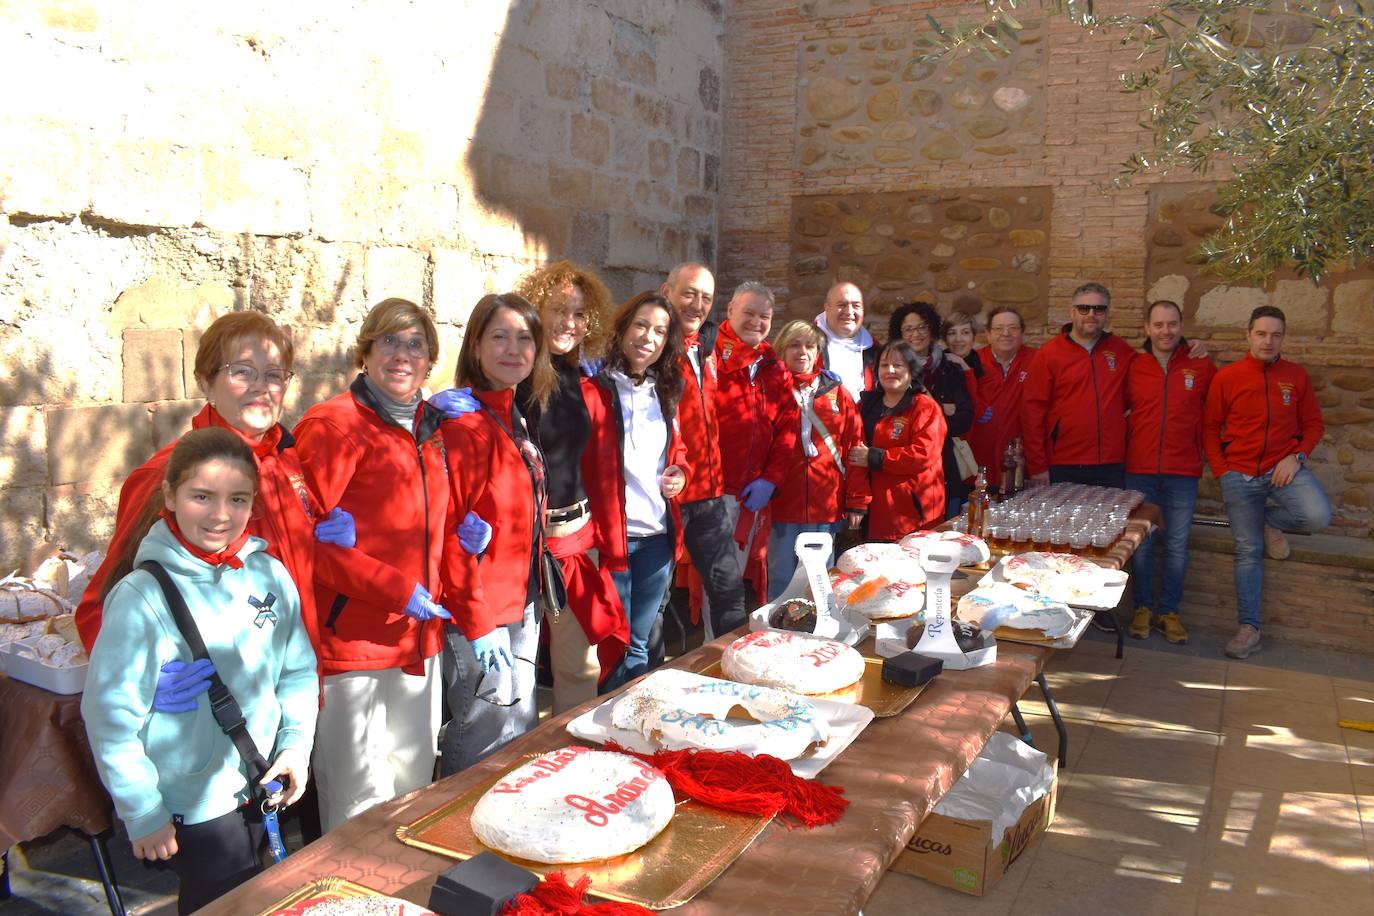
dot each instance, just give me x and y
(963, 457)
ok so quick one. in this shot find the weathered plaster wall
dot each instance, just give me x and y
(846, 158)
(163, 163)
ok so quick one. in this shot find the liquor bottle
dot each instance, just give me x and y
(1019, 479)
(978, 505)
(1009, 487)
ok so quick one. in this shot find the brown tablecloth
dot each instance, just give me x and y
(47, 775)
(893, 774)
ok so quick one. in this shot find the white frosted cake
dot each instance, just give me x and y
(798, 662)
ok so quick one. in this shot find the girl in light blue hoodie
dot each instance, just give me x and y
(177, 781)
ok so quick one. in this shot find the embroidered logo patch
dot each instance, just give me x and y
(898, 427)
(264, 608)
(725, 354)
(1189, 379)
(1286, 392)
(1110, 357)
(1021, 376)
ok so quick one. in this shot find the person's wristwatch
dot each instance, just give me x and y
(1301, 456)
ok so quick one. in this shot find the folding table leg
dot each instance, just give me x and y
(1058, 720)
(107, 876)
(1021, 725)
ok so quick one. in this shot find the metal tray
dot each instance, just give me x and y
(323, 889)
(870, 690)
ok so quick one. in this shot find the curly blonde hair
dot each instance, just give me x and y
(541, 286)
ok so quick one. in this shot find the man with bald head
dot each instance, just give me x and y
(850, 352)
(707, 531)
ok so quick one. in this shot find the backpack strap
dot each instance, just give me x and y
(225, 708)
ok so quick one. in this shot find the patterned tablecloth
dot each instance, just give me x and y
(47, 775)
(893, 774)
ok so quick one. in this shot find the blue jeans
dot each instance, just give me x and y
(641, 589)
(481, 727)
(782, 552)
(1175, 495)
(1252, 503)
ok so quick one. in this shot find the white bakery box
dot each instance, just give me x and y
(19, 661)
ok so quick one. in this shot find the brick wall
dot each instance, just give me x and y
(790, 142)
(162, 165)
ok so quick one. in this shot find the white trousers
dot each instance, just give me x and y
(375, 739)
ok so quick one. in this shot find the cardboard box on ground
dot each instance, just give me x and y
(963, 854)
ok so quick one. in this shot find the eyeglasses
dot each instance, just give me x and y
(487, 697)
(416, 346)
(916, 329)
(245, 375)
(1083, 308)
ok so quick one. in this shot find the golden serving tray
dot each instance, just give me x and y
(871, 690)
(698, 844)
(324, 889)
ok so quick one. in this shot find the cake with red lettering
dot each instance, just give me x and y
(677, 716)
(972, 550)
(1061, 576)
(574, 805)
(799, 662)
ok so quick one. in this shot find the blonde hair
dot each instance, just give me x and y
(390, 316)
(545, 283)
(794, 329)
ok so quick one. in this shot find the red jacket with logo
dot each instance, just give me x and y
(395, 486)
(1073, 407)
(1165, 424)
(907, 489)
(603, 472)
(283, 515)
(755, 411)
(696, 414)
(1259, 413)
(490, 477)
(819, 489)
(1000, 391)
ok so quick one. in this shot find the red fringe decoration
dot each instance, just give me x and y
(555, 897)
(734, 781)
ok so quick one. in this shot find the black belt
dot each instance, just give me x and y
(566, 514)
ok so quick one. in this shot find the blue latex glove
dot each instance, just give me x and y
(986, 417)
(180, 684)
(337, 528)
(756, 495)
(421, 606)
(455, 402)
(474, 534)
(493, 650)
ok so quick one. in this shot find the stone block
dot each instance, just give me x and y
(633, 242)
(590, 139)
(93, 443)
(81, 516)
(659, 153)
(543, 129)
(152, 362)
(610, 96)
(571, 186)
(172, 419)
(688, 169)
(630, 150)
(302, 281)
(1304, 304)
(1229, 306)
(460, 279)
(246, 193)
(21, 524)
(633, 52)
(23, 444)
(590, 237)
(393, 272)
(147, 183)
(1173, 287)
(566, 83)
(1353, 311)
(44, 169)
(47, 359)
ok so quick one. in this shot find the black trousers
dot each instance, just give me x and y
(216, 856)
(1102, 475)
(710, 541)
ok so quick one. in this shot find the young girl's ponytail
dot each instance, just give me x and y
(194, 449)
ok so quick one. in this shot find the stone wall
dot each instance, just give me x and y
(831, 123)
(160, 165)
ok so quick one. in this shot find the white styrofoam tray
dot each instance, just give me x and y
(846, 721)
(1104, 599)
(858, 623)
(20, 663)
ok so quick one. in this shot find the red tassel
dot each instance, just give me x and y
(555, 897)
(734, 781)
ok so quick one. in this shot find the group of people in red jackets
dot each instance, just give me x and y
(583, 449)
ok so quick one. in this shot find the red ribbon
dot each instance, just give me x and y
(229, 556)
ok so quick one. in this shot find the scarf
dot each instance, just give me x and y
(736, 354)
(229, 556)
(262, 448)
(402, 413)
(860, 342)
(805, 393)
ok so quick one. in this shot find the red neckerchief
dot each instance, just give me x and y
(262, 448)
(804, 379)
(736, 354)
(229, 556)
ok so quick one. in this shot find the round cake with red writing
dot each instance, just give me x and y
(799, 662)
(574, 805)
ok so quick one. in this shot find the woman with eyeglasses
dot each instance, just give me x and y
(904, 429)
(636, 466)
(374, 451)
(497, 472)
(243, 367)
(918, 325)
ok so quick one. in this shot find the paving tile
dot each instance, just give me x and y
(1078, 695)
(1066, 885)
(1170, 756)
(1276, 851)
(1092, 826)
(1275, 758)
(1158, 703)
(1262, 708)
(1291, 684)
